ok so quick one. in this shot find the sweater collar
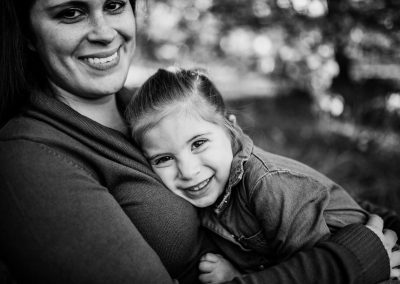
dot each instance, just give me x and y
(47, 109)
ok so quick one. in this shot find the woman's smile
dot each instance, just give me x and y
(102, 62)
(85, 46)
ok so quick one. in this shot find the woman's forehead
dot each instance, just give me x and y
(55, 3)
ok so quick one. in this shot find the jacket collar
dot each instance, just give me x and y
(242, 147)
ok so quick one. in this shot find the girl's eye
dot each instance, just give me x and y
(115, 6)
(198, 143)
(162, 161)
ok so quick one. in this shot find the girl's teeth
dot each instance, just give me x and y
(95, 60)
(201, 185)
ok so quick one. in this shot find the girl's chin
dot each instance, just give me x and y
(201, 203)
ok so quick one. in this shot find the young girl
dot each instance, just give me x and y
(261, 207)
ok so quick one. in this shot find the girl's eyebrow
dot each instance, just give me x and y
(197, 136)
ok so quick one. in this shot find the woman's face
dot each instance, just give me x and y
(86, 46)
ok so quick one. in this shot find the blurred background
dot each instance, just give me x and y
(315, 80)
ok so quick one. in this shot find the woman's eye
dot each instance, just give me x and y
(162, 161)
(198, 143)
(115, 6)
(70, 14)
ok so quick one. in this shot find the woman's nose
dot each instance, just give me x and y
(189, 168)
(101, 30)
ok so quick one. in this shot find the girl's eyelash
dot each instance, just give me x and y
(161, 160)
(199, 143)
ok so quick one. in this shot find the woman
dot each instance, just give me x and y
(78, 202)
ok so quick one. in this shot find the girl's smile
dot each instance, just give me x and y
(191, 155)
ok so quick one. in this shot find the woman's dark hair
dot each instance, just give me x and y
(20, 68)
(170, 88)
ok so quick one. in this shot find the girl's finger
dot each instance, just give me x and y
(395, 259)
(390, 236)
(211, 257)
(206, 278)
(206, 266)
(375, 222)
(395, 273)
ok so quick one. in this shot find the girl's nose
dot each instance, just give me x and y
(188, 168)
(101, 30)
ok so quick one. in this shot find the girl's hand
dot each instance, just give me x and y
(216, 269)
(388, 239)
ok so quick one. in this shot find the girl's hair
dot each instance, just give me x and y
(21, 70)
(170, 89)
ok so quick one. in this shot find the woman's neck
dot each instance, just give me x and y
(103, 110)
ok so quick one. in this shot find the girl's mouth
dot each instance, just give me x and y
(200, 186)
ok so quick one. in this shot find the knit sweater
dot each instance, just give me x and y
(79, 204)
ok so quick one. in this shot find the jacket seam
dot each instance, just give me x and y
(281, 171)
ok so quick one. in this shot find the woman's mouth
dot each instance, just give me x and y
(103, 63)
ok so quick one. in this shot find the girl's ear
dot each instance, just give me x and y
(232, 119)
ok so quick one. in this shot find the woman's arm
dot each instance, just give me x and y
(353, 255)
(59, 225)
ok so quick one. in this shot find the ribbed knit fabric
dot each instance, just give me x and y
(375, 268)
(59, 166)
(353, 256)
(74, 196)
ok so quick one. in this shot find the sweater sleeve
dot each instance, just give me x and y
(341, 259)
(59, 225)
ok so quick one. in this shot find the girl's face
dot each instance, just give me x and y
(191, 155)
(86, 46)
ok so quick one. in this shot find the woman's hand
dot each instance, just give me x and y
(388, 239)
(216, 269)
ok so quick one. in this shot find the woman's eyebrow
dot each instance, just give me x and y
(65, 4)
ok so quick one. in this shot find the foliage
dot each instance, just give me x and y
(366, 169)
(334, 50)
(339, 57)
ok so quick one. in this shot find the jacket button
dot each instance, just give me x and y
(261, 267)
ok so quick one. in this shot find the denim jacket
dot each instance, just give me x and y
(274, 206)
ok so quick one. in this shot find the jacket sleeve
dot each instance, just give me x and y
(296, 211)
(353, 255)
(60, 225)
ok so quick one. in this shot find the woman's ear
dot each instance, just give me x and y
(29, 44)
(31, 47)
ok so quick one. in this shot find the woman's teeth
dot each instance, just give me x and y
(96, 60)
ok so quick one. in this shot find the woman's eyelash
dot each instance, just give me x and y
(120, 5)
(70, 14)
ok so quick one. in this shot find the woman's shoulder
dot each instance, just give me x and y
(27, 128)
